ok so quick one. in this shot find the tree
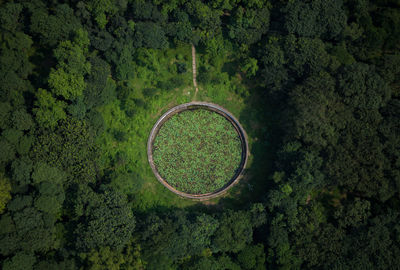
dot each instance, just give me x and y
(180, 26)
(341, 53)
(363, 92)
(354, 214)
(12, 136)
(233, 233)
(7, 151)
(318, 111)
(99, 8)
(306, 55)
(20, 261)
(50, 199)
(108, 221)
(22, 120)
(52, 28)
(68, 79)
(49, 183)
(9, 16)
(14, 56)
(215, 263)
(70, 148)
(146, 11)
(98, 90)
(106, 258)
(48, 110)
(5, 114)
(249, 24)
(250, 67)
(317, 18)
(201, 232)
(252, 257)
(5, 189)
(27, 230)
(358, 79)
(274, 73)
(150, 35)
(66, 84)
(125, 69)
(19, 202)
(21, 173)
(206, 19)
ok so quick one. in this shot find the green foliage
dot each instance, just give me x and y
(69, 148)
(19, 203)
(180, 28)
(5, 113)
(51, 198)
(150, 35)
(68, 79)
(317, 79)
(21, 172)
(234, 232)
(317, 18)
(205, 18)
(99, 8)
(197, 151)
(274, 72)
(5, 189)
(106, 258)
(49, 182)
(7, 151)
(219, 263)
(108, 221)
(319, 110)
(252, 257)
(20, 261)
(28, 230)
(341, 53)
(306, 55)
(202, 231)
(249, 24)
(125, 66)
(49, 110)
(66, 84)
(9, 15)
(22, 120)
(51, 28)
(250, 67)
(15, 50)
(354, 214)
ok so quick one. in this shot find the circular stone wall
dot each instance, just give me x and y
(193, 106)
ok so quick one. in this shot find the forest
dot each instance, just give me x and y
(315, 84)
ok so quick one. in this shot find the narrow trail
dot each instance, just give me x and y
(194, 71)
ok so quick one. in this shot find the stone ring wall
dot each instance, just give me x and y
(192, 106)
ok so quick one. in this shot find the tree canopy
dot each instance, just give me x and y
(315, 84)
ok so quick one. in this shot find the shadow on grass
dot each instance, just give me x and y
(260, 119)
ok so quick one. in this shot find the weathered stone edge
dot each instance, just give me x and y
(213, 107)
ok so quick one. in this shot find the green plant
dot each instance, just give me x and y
(197, 151)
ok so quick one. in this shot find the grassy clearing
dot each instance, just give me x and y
(128, 122)
(197, 151)
(142, 101)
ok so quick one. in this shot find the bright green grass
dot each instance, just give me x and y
(144, 191)
(197, 151)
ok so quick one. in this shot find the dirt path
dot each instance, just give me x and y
(194, 71)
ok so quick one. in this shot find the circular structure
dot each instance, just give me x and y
(176, 146)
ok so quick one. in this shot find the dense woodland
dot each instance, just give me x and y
(316, 85)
